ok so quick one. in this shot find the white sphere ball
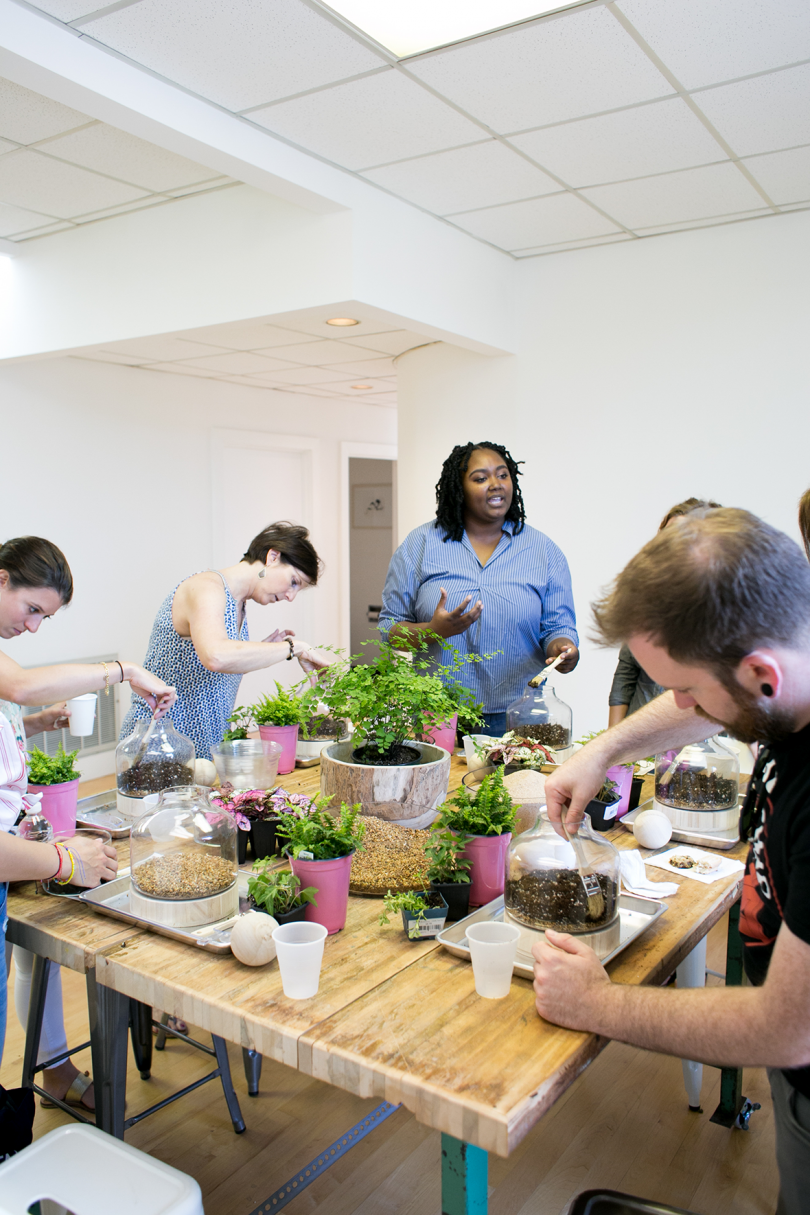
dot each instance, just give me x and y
(252, 938)
(652, 829)
(204, 772)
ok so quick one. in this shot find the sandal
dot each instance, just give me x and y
(73, 1096)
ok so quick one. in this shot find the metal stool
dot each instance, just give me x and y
(251, 1059)
(611, 1202)
(110, 1057)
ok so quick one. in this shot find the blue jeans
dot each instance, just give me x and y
(494, 724)
(3, 975)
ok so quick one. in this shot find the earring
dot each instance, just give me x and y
(767, 690)
(262, 573)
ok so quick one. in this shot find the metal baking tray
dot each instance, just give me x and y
(101, 810)
(635, 916)
(113, 899)
(723, 840)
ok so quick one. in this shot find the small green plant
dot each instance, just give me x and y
(409, 901)
(52, 769)
(468, 708)
(277, 892)
(610, 790)
(241, 721)
(490, 811)
(445, 864)
(321, 835)
(283, 709)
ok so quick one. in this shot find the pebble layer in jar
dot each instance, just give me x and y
(183, 875)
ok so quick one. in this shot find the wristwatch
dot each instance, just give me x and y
(291, 654)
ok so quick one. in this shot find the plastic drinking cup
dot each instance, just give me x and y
(300, 951)
(82, 711)
(492, 949)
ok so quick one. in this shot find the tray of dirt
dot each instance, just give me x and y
(635, 917)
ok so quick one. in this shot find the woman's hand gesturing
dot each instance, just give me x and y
(450, 624)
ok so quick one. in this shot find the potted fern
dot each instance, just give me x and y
(279, 719)
(57, 778)
(448, 870)
(320, 848)
(279, 893)
(423, 912)
(487, 817)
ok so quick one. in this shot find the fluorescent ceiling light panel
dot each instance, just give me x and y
(407, 27)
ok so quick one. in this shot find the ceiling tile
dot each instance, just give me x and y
(110, 356)
(67, 10)
(581, 63)
(7, 146)
(478, 176)
(180, 369)
(305, 375)
(376, 367)
(631, 143)
(346, 387)
(108, 150)
(239, 55)
(394, 343)
(713, 221)
(29, 179)
(370, 121)
(762, 115)
(567, 245)
(542, 221)
(785, 176)
(213, 183)
(240, 363)
(27, 117)
(675, 197)
(314, 323)
(705, 43)
(160, 349)
(18, 219)
(61, 225)
(318, 354)
(246, 336)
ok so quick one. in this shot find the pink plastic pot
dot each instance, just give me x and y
(487, 854)
(444, 734)
(331, 880)
(59, 803)
(623, 777)
(287, 737)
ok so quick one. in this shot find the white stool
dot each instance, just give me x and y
(85, 1172)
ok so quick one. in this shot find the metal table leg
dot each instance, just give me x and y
(692, 973)
(140, 1028)
(252, 1061)
(109, 1023)
(732, 1100)
(465, 1188)
(221, 1052)
(36, 1011)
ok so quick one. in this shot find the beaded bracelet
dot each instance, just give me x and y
(106, 679)
(66, 881)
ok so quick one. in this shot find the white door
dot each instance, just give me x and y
(259, 479)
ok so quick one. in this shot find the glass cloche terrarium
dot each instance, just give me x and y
(541, 715)
(166, 759)
(698, 787)
(183, 861)
(544, 888)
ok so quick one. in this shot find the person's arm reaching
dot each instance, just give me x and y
(659, 726)
(39, 685)
(763, 1026)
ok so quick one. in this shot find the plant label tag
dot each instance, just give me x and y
(428, 928)
(610, 811)
(305, 856)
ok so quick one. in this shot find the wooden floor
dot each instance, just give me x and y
(624, 1125)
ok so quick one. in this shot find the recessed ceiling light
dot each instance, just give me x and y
(342, 320)
(407, 27)
(362, 385)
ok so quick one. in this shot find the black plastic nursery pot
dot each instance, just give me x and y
(242, 838)
(263, 838)
(283, 917)
(635, 793)
(431, 922)
(457, 897)
(602, 814)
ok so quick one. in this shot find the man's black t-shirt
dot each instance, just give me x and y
(776, 886)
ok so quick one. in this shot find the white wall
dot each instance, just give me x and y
(645, 373)
(371, 549)
(114, 465)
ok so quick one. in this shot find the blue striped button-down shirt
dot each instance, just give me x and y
(525, 588)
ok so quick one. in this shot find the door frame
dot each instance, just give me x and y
(348, 451)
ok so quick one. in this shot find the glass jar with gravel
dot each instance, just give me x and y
(185, 849)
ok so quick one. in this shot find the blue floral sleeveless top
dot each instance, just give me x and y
(205, 699)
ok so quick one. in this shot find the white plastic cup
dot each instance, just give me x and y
(300, 951)
(82, 711)
(493, 947)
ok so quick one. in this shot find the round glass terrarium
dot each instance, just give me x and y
(544, 888)
(541, 715)
(698, 787)
(183, 861)
(145, 765)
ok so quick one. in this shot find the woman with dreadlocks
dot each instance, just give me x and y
(479, 575)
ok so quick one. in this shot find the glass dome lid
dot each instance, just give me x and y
(154, 757)
(184, 849)
(702, 776)
(539, 714)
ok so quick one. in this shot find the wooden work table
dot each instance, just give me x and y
(393, 1019)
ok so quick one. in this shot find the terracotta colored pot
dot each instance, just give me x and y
(331, 880)
(443, 734)
(59, 803)
(487, 854)
(287, 736)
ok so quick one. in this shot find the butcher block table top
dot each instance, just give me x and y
(400, 1020)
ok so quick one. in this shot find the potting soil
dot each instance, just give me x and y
(556, 898)
(153, 776)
